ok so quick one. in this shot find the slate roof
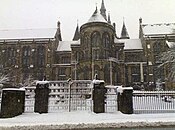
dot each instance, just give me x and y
(28, 33)
(155, 29)
(66, 45)
(131, 44)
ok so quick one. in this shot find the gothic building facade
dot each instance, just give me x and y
(96, 49)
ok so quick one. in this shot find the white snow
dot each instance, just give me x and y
(42, 82)
(97, 81)
(97, 17)
(66, 45)
(151, 29)
(170, 44)
(131, 44)
(84, 119)
(28, 33)
(15, 89)
(120, 89)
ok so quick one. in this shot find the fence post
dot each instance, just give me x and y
(98, 96)
(124, 100)
(41, 97)
(13, 102)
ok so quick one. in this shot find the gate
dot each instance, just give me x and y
(64, 96)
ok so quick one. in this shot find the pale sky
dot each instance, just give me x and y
(28, 14)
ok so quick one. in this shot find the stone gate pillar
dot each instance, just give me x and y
(124, 100)
(98, 96)
(41, 97)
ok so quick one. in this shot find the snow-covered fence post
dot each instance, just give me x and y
(99, 91)
(124, 100)
(13, 102)
(41, 97)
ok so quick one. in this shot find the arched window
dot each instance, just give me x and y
(95, 39)
(106, 40)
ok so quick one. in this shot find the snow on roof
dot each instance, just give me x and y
(97, 17)
(28, 33)
(66, 45)
(170, 44)
(130, 44)
(151, 29)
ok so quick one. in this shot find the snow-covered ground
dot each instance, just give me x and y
(84, 119)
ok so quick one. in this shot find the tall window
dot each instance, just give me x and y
(106, 40)
(157, 46)
(86, 41)
(26, 51)
(95, 39)
(106, 54)
(95, 54)
(11, 53)
(86, 73)
(41, 56)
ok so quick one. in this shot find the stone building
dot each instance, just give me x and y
(95, 49)
(156, 39)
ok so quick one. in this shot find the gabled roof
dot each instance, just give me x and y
(155, 29)
(131, 44)
(97, 17)
(28, 33)
(66, 45)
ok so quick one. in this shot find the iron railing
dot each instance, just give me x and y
(154, 101)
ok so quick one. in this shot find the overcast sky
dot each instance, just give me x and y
(27, 14)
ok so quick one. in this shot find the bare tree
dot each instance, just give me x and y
(168, 59)
(3, 80)
(28, 82)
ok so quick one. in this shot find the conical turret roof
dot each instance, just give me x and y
(77, 34)
(124, 33)
(97, 17)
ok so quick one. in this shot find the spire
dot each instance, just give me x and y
(103, 10)
(58, 33)
(109, 19)
(124, 33)
(77, 33)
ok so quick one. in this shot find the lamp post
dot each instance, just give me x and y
(111, 59)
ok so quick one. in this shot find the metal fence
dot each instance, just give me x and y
(154, 101)
(78, 96)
